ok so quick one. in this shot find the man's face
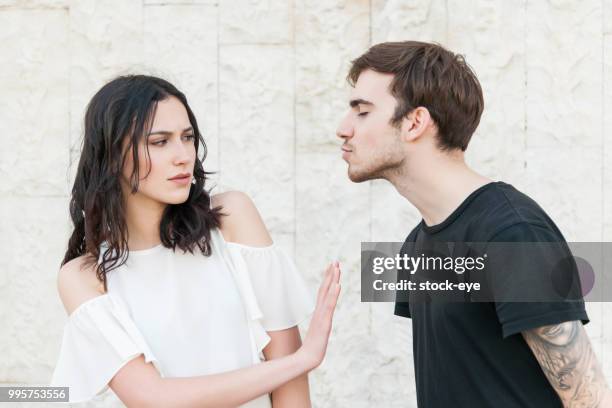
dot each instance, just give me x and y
(171, 152)
(372, 146)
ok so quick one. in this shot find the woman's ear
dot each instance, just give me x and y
(416, 123)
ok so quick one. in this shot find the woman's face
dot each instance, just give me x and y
(171, 152)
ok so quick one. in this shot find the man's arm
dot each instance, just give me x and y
(567, 359)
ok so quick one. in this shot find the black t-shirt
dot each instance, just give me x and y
(473, 354)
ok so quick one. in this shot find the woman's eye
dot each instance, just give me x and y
(163, 141)
(362, 113)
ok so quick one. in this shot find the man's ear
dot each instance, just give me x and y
(416, 123)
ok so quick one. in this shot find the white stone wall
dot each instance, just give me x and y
(266, 81)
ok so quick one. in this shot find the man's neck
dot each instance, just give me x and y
(438, 187)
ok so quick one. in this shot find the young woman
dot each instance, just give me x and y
(176, 298)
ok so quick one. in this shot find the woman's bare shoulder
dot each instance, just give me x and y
(77, 282)
(243, 223)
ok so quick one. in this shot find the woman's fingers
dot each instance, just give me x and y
(336, 276)
(325, 284)
(328, 295)
(315, 343)
(331, 298)
(328, 307)
(321, 291)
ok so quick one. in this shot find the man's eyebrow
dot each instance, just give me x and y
(359, 101)
(168, 133)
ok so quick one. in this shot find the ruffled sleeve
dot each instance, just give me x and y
(99, 338)
(280, 291)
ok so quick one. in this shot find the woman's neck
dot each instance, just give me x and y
(143, 218)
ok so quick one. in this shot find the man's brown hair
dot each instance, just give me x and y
(428, 75)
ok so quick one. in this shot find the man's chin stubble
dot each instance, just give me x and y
(361, 177)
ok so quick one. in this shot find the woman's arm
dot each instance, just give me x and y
(138, 384)
(295, 393)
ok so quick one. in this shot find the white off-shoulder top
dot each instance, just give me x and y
(187, 314)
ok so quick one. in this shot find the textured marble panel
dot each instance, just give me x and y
(33, 234)
(498, 145)
(180, 2)
(607, 16)
(332, 220)
(607, 188)
(257, 123)
(393, 217)
(567, 185)
(333, 214)
(180, 45)
(34, 4)
(328, 36)
(401, 20)
(105, 42)
(607, 138)
(256, 22)
(34, 118)
(564, 75)
(392, 382)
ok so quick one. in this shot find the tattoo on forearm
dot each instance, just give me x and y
(566, 357)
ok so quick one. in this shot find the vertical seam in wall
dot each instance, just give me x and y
(295, 183)
(370, 187)
(218, 94)
(70, 131)
(602, 115)
(603, 152)
(142, 36)
(525, 124)
(370, 193)
(370, 22)
(446, 21)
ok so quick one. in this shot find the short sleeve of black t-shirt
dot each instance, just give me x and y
(402, 309)
(532, 272)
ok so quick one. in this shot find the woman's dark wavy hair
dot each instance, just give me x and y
(125, 108)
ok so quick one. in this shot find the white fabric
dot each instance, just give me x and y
(98, 340)
(188, 315)
(280, 292)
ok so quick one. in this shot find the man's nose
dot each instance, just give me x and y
(345, 128)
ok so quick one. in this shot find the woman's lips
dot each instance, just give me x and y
(182, 180)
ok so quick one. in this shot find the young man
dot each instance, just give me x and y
(413, 109)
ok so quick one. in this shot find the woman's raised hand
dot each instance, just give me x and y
(315, 343)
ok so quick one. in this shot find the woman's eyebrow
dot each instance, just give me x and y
(167, 132)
